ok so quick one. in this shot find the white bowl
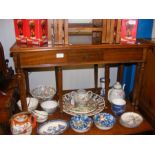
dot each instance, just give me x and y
(49, 106)
(43, 92)
(41, 116)
(31, 102)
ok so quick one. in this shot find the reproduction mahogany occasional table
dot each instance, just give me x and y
(59, 56)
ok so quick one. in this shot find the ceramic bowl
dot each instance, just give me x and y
(49, 106)
(81, 123)
(41, 116)
(104, 121)
(31, 102)
(43, 92)
(131, 119)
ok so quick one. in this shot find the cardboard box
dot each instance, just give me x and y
(129, 30)
(37, 31)
(20, 30)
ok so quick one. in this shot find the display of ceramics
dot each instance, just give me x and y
(104, 121)
(32, 103)
(52, 127)
(81, 123)
(43, 92)
(49, 106)
(22, 123)
(95, 105)
(41, 116)
(131, 119)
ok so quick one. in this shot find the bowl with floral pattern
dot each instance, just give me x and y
(81, 123)
(104, 121)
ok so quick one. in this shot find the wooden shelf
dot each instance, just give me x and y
(118, 129)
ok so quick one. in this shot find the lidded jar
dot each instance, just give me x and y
(117, 91)
(22, 123)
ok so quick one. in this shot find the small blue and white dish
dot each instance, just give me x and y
(104, 121)
(81, 123)
(53, 127)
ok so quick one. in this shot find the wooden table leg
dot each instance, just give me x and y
(21, 84)
(96, 76)
(58, 73)
(120, 72)
(27, 81)
(107, 81)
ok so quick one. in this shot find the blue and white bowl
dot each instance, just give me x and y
(104, 121)
(81, 123)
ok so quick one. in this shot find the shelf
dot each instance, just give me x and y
(144, 128)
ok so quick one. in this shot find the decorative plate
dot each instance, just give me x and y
(104, 121)
(52, 127)
(95, 105)
(131, 119)
(81, 123)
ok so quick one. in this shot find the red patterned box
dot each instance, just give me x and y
(37, 31)
(20, 30)
(129, 30)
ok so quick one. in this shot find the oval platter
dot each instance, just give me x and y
(53, 127)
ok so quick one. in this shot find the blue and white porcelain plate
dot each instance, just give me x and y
(53, 127)
(104, 121)
(81, 123)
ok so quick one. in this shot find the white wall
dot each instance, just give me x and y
(72, 79)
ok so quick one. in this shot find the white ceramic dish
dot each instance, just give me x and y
(49, 106)
(41, 116)
(53, 127)
(43, 92)
(131, 119)
(31, 102)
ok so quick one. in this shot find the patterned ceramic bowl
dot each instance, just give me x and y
(131, 119)
(32, 103)
(43, 92)
(104, 121)
(81, 123)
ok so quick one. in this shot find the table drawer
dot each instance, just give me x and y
(123, 54)
(43, 58)
(85, 56)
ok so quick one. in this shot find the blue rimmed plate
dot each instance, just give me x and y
(53, 127)
(104, 121)
(81, 123)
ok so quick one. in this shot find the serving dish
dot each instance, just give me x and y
(81, 123)
(49, 106)
(32, 103)
(95, 105)
(52, 127)
(131, 119)
(104, 121)
(43, 92)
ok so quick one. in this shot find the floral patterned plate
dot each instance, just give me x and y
(95, 105)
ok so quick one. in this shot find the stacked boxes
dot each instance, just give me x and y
(129, 30)
(31, 31)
